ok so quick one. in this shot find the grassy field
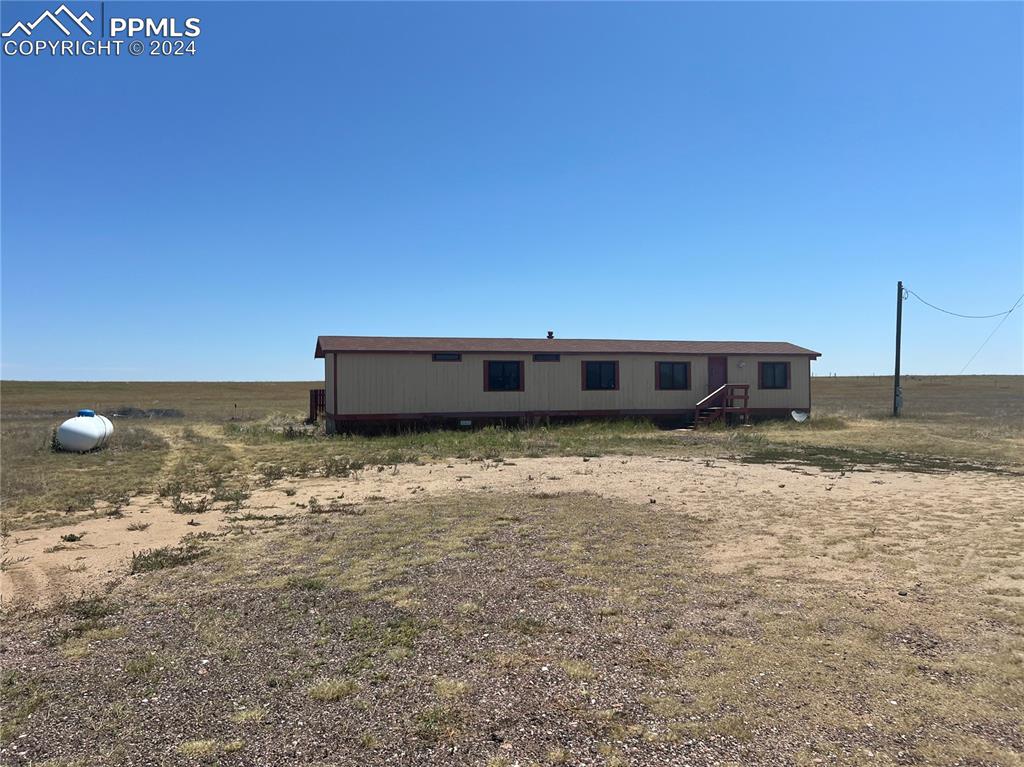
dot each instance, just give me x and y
(220, 437)
(847, 591)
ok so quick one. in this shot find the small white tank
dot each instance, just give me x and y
(86, 431)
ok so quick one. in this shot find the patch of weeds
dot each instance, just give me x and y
(614, 724)
(665, 706)
(529, 626)
(437, 723)
(138, 668)
(330, 690)
(168, 556)
(20, 697)
(248, 715)
(680, 638)
(578, 670)
(180, 505)
(401, 631)
(104, 634)
(394, 639)
(368, 741)
(835, 459)
(117, 503)
(77, 648)
(305, 583)
(249, 516)
(399, 652)
(88, 613)
(72, 537)
(449, 688)
(90, 608)
(270, 473)
(557, 756)
(732, 726)
(233, 496)
(189, 434)
(509, 661)
(305, 468)
(199, 749)
(339, 466)
(290, 432)
(334, 507)
(138, 527)
(171, 488)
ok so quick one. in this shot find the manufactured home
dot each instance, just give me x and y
(472, 380)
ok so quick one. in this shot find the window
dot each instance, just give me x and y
(501, 375)
(547, 357)
(672, 375)
(447, 357)
(600, 375)
(773, 375)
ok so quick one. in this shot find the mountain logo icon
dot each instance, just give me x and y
(63, 18)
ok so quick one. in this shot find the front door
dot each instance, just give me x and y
(716, 373)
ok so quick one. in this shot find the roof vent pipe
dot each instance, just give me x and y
(551, 334)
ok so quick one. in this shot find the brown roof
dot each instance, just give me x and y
(561, 345)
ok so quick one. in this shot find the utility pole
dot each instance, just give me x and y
(897, 392)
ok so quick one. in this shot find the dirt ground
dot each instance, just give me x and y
(759, 505)
(225, 589)
(615, 610)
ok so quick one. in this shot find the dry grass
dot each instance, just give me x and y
(157, 401)
(41, 486)
(219, 451)
(813, 621)
(330, 690)
(450, 688)
(578, 670)
(248, 715)
(953, 418)
(625, 632)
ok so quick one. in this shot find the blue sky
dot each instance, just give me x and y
(691, 171)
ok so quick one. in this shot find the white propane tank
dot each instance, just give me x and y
(86, 431)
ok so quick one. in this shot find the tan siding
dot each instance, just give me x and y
(391, 384)
(744, 370)
(329, 383)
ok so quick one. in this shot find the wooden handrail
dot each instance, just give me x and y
(726, 392)
(721, 401)
(711, 396)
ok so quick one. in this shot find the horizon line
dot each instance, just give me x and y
(314, 380)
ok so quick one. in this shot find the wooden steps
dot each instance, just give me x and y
(725, 401)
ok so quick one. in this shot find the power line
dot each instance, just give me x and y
(998, 325)
(964, 316)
